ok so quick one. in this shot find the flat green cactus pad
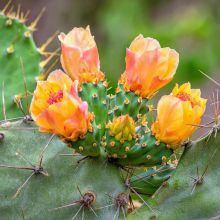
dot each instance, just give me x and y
(191, 195)
(17, 49)
(41, 193)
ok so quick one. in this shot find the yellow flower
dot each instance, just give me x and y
(122, 128)
(79, 57)
(148, 66)
(178, 114)
(57, 108)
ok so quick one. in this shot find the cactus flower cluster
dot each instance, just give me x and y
(57, 108)
(108, 132)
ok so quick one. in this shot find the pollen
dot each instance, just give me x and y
(186, 97)
(55, 97)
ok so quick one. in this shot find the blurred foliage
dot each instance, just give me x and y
(191, 30)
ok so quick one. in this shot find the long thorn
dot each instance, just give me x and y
(106, 206)
(10, 12)
(123, 211)
(80, 160)
(42, 152)
(134, 191)
(64, 206)
(193, 188)
(117, 213)
(210, 78)
(209, 162)
(12, 119)
(51, 66)
(22, 156)
(215, 218)
(156, 171)
(90, 207)
(77, 212)
(21, 187)
(3, 101)
(33, 25)
(25, 83)
(6, 7)
(157, 191)
(18, 12)
(44, 173)
(18, 129)
(72, 155)
(46, 61)
(22, 214)
(16, 167)
(83, 213)
(46, 44)
(79, 191)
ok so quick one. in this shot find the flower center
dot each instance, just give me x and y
(55, 97)
(186, 97)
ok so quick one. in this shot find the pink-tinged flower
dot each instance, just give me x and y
(148, 66)
(56, 107)
(79, 57)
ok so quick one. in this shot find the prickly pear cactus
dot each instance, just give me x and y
(34, 180)
(193, 191)
(83, 153)
(20, 58)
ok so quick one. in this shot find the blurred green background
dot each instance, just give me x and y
(192, 27)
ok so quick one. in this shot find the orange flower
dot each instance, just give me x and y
(80, 58)
(57, 108)
(178, 114)
(148, 66)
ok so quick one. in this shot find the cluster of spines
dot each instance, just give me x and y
(18, 16)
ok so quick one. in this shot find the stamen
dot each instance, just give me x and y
(55, 97)
(186, 97)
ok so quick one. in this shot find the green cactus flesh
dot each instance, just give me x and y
(143, 150)
(42, 193)
(95, 95)
(126, 103)
(193, 191)
(17, 50)
(147, 151)
(151, 180)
